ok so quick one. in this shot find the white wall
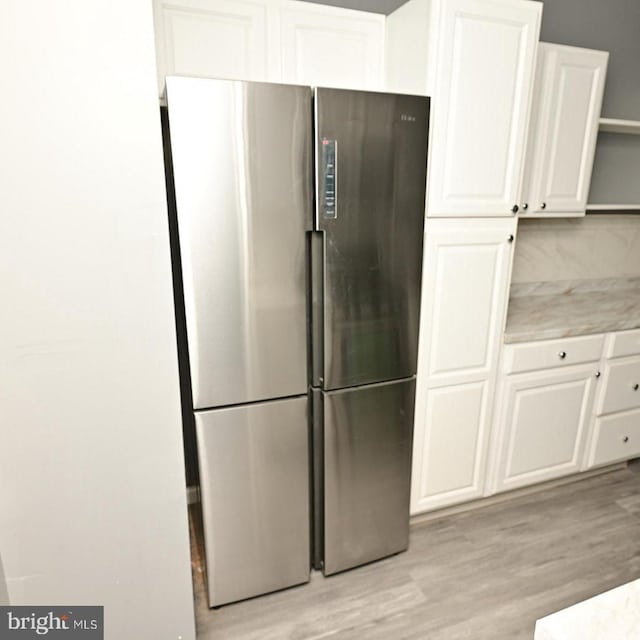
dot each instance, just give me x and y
(593, 247)
(92, 499)
(408, 47)
(4, 594)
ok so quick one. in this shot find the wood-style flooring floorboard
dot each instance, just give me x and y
(486, 574)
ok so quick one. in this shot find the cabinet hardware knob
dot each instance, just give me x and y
(636, 386)
(625, 439)
(562, 355)
(510, 237)
(525, 206)
(514, 209)
(598, 374)
(543, 205)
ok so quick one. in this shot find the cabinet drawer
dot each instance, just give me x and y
(624, 343)
(616, 438)
(622, 386)
(552, 353)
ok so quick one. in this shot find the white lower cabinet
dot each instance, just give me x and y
(616, 425)
(622, 385)
(616, 438)
(453, 446)
(551, 408)
(467, 266)
(544, 420)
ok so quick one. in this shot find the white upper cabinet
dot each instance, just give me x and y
(482, 93)
(212, 39)
(564, 126)
(330, 47)
(270, 40)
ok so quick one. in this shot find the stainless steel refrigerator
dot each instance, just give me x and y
(300, 295)
(366, 262)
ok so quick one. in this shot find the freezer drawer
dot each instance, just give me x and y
(254, 477)
(242, 172)
(371, 157)
(367, 460)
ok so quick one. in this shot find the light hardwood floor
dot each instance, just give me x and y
(486, 574)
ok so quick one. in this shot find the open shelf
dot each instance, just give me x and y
(615, 125)
(613, 207)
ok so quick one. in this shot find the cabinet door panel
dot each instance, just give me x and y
(568, 96)
(450, 454)
(616, 438)
(465, 283)
(545, 421)
(481, 106)
(211, 39)
(332, 47)
(622, 386)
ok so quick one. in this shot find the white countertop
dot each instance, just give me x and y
(613, 615)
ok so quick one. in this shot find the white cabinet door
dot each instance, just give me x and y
(212, 39)
(466, 275)
(331, 47)
(450, 458)
(564, 127)
(482, 94)
(544, 422)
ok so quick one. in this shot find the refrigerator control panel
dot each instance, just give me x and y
(330, 180)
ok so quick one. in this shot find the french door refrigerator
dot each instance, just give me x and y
(366, 261)
(241, 156)
(301, 298)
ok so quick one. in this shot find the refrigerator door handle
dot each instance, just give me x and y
(317, 438)
(317, 250)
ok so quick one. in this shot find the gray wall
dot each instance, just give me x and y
(614, 26)
(376, 6)
(610, 25)
(92, 490)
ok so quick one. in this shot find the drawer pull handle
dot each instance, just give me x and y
(598, 374)
(625, 439)
(562, 355)
(636, 386)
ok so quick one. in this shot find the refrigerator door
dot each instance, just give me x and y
(254, 482)
(367, 454)
(371, 155)
(243, 189)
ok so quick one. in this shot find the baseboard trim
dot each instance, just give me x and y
(507, 496)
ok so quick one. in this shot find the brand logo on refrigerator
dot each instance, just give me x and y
(405, 117)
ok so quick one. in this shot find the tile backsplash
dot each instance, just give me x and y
(589, 248)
